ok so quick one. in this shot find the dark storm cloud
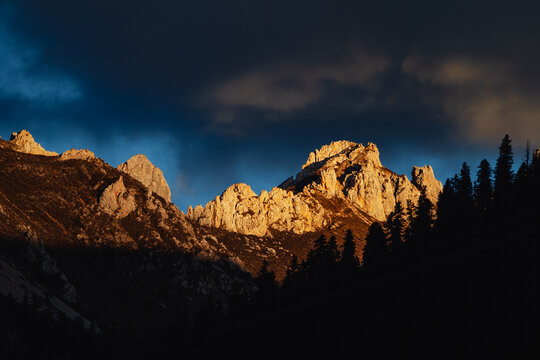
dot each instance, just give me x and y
(229, 79)
(218, 59)
(22, 77)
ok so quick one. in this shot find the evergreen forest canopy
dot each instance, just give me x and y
(452, 280)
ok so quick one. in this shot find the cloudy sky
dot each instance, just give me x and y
(219, 92)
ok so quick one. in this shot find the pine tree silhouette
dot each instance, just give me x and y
(464, 191)
(321, 262)
(483, 192)
(535, 177)
(464, 202)
(292, 277)
(446, 211)
(395, 224)
(522, 190)
(267, 285)
(503, 176)
(349, 261)
(421, 224)
(375, 249)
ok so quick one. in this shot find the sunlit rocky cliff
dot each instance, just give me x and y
(342, 170)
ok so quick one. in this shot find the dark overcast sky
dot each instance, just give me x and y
(219, 92)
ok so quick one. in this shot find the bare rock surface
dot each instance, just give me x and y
(77, 154)
(24, 142)
(117, 200)
(341, 170)
(141, 169)
(424, 177)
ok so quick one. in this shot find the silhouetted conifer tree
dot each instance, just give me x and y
(291, 275)
(332, 252)
(321, 260)
(395, 224)
(349, 261)
(446, 210)
(421, 224)
(522, 190)
(464, 192)
(535, 177)
(503, 175)
(266, 284)
(332, 258)
(483, 192)
(375, 249)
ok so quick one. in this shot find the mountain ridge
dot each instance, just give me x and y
(342, 169)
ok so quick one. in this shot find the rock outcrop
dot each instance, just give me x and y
(77, 154)
(141, 169)
(423, 177)
(116, 200)
(343, 170)
(240, 210)
(24, 142)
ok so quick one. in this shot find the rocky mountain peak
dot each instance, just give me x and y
(343, 171)
(24, 142)
(425, 177)
(141, 169)
(326, 151)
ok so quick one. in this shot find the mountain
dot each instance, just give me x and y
(341, 186)
(81, 239)
(97, 256)
(343, 171)
(76, 230)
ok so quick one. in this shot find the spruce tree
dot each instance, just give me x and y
(483, 192)
(503, 175)
(292, 275)
(375, 249)
(349, 261)
(535, 177)
(446, 209)
(464, 190)
(396, 228)
(421, 223)
(522, 189)
(332, 255)
(266, 284)
(322, 261)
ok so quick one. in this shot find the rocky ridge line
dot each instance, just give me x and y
(341, 170)
(24, 142)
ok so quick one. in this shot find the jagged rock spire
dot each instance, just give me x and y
(341, 170)
(141, 169)
(24, 142)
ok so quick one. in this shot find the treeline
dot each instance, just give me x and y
(466, 213)
(454, 280)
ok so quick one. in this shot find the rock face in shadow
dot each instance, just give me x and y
(140, 168)
(83, 238)
(343, 170)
